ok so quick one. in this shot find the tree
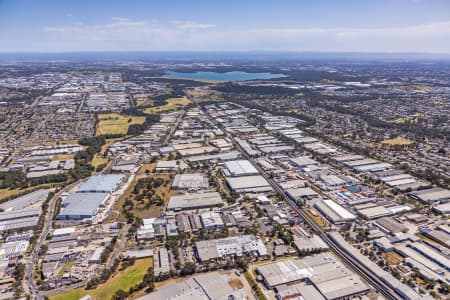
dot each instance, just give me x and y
(119, 295)
(188, 269)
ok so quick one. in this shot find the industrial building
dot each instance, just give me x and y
(237, 168)
(82, 206)
(211, 220)
(194, 181)
(101, 184)
(330, 277)
(298, 194)
(405, 291)
(333, 211)
(432, 195)
(24, 201)
(24, 219)
(200, 287)
(194, 201)
(248, 184)
(84, 203)
(235, 246)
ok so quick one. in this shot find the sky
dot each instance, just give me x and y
(414, 26)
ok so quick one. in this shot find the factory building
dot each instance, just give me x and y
(333, 211)
(194, 201)
(237, 168)
(235, 246)
(249, 184)
(191, 182)
(330, 277)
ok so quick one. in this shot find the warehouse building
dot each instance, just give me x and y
(303, 161)
(333, 211)
(302, 193)
(24, 201)
(200, 287)
(235, 246)
(82, 206)
(191, 182)
(211, 220)
(194, 201)
(19, 220)
(101, 184)
(330, 277)
(237, 168)
(432, 195)
(248, 184)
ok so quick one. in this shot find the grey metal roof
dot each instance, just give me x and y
(82, 205)
(101, 183)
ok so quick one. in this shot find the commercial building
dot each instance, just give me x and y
(333, 211)
(194, 181)
(194, 201)
(249, 184)
(239, 168)
(235, 246)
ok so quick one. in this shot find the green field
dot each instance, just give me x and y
(124, 280)
(397, 141)
(115, 123)
(172, 103)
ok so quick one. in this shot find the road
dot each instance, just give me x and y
(32, 259)
(364, 272)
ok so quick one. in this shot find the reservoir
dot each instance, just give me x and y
(226, 76)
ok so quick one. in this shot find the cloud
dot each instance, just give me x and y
(191, 35)
(187, 25)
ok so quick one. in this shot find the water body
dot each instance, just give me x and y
(227, 76)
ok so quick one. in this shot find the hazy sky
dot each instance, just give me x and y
(291, 25)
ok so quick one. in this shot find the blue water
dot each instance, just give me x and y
(227, 76)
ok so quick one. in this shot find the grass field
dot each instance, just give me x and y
(123, 280)
(172, 103)
(115, 123)
(318, 219)
(98, 161)
(405, 120)
(397, 141)
(141, 101)
(392, 258)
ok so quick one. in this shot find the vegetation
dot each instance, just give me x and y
(114, 123)
(172, 103)
(125, 280)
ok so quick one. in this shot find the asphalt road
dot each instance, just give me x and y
(32, 259)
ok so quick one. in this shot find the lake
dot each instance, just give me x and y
(226, 76)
